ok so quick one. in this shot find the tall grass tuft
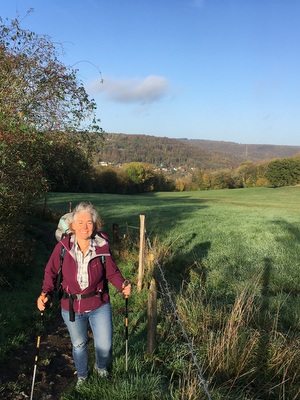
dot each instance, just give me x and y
(232, 348)
(284, 364)
(244, 354)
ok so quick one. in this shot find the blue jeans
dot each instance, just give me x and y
(100, 321)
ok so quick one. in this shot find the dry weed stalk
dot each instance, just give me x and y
(232, 349)
(284, 362)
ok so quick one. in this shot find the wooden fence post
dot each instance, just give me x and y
(142, 253)
(152, 318)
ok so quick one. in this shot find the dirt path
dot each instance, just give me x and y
(55, 370)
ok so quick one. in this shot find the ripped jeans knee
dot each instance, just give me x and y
(100, 321)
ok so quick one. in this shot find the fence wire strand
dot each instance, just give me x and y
(165, 286)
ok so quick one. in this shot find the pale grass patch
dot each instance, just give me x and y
(188, 387)
(284, 362)
(232, 349)
(239, 347)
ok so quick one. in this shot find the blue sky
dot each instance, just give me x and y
(201, 69)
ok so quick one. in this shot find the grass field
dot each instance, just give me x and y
(232, 260)
(232, 233)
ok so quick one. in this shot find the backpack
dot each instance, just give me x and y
(63, 227)
(63, 230)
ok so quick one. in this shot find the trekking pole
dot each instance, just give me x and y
(36, 358)
(126, 333)
(126, 328)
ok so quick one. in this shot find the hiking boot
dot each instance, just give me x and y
(101, 372)
(80, 381)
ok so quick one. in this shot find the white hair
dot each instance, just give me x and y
(88, 208)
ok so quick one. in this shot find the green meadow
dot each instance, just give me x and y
(232, 262)
(233, 234)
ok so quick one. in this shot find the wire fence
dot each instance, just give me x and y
(166, 291)
(130, 236)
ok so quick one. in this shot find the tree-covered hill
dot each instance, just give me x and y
(123, 148)
(248, 152)
(120, 148)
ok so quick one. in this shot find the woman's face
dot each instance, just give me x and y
(83, 225)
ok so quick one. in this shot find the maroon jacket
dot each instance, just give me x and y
(98, 274)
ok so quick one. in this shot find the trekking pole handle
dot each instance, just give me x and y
(126, 283)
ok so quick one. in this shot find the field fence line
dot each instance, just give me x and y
(165, 287)
(133, 227)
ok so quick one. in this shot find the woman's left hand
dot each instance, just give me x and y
(126, 288)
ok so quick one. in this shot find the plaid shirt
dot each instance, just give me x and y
(82, 263)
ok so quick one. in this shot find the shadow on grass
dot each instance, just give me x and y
(184, 264)
(292, 229)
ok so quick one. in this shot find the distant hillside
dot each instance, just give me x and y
(250, 152)
(161, 151)
(123, 148)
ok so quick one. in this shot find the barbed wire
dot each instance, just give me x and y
(133, 227)
(165, 286)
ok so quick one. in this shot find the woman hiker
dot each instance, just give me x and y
(87, 268)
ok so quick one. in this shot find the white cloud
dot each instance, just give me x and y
(136, 90)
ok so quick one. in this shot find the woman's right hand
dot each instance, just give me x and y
(41, 301)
